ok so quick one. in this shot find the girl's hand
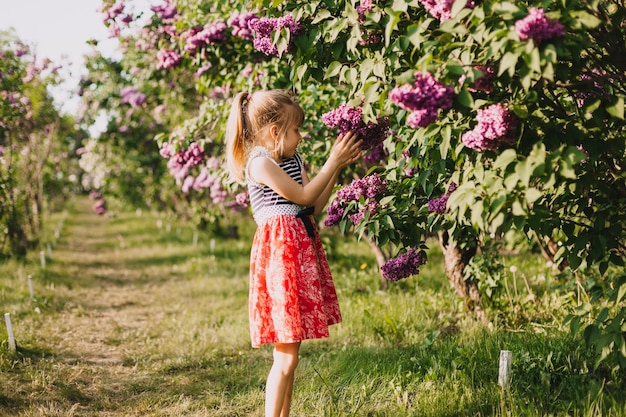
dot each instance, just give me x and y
(346, 150)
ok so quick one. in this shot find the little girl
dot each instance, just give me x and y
(292, 295)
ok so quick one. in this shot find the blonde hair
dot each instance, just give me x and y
(250, 115)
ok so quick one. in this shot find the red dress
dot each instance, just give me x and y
(292, 294)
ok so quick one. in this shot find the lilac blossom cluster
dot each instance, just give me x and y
(18, 103)
(99, 206)
(180, 162)
(376, 154)
(597, 91)
(370, 38)
(240, 24)
(403, 266)
(167, 58)
(347, 118)
(243, 199)
(438, 205)
(211, 33)
(112, 12)
(538, 27)
(264, 27)
(206, 180)
(132, 96)
(364, 7)
(424, 99)
(441, 9)
(368, 188)
(484, 83)
(166, 11)
(496, 125)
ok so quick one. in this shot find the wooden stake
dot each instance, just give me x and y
(12, 345)
(31, 289)
(195, 238)
(504, 375)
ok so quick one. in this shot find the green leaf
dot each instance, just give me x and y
(518, 209)
(371, 92)
(524, 170)
(457, 7)
(508, 63)
(414, 35)
(366, 67)
(591, 333)
(333, 69)
(586, 19)
(399, 6)
(301, 72)
(621, 292)
(392, 24)
(617, 109)
(505, 159)
(321, 15)
(532, 195)
(465, 99)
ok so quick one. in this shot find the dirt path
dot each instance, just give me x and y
(98, 314)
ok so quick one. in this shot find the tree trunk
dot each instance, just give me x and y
(455, 260)
(380, 259)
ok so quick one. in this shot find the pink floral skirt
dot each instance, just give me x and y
(292, 294)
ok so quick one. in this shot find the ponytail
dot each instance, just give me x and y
(236, 138)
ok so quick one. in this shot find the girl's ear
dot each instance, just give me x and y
(274, 131)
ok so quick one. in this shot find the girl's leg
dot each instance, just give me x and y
(279, 385)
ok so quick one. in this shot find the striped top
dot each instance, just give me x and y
(266, 202)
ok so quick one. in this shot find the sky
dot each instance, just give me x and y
(59, 29)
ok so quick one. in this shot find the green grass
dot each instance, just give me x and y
(131, 319)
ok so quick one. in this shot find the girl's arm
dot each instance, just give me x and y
(345, 151)
(321, 201)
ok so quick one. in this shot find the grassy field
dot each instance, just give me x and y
(132, 317)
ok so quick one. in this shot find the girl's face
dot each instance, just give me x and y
(291, 140)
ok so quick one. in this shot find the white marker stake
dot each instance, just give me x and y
(212, 245)
(504, 376)
(7, 319)
(31, 288)
(195, 238)
(42, 257)
(49, 248)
